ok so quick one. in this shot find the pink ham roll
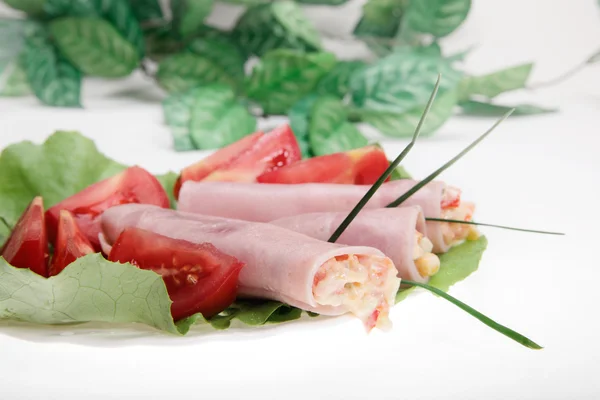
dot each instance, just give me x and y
(397, 232)
(267, 202)
(313, 275)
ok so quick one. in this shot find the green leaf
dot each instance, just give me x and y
(146, 10)
(13, 32)
(214, 58)
(222, 51)
(28, 170)
(299, 116)
(217, 119)
(33, 7)
(491, 85)
(473, 107)
(437, 17)
(329, 130)
(283, 77)
(276, 25)
(177, 109)
(402, 81)
(455, 265)
(400, 173)
(337, 81)
(381, 18)
(117, 13)
(52, 78)
(259, 312)
(189, 15)
(248, 3)
(120, 14)
(168, 182)
(78, 8)
(458, 263)
(323, 2)
(206, 117)
(186, 70)
(404, 124)
(295, 22)
(94, 46)
(90, 289)
(13, 80)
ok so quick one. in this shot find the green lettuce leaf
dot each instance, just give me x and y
(28, 170)
(455, 265)
(90, 289)
(458, 263)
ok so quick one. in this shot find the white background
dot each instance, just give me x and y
(539, 172)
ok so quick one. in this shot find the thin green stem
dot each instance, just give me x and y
(457, 221)
(444, 167)
(517, 337)
(365, 199)
(569, 73)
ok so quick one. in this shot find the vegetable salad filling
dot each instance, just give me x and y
(427, 263)
(455, 209)
(365, 285)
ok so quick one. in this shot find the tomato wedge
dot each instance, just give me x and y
(199, 170)
(360, 167)
(134, 185)
(269, 152)
(71, 243)
(27, 246)
(199, 277)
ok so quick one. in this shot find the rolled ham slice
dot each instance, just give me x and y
(313, 275)
(267, 202)
(397, 232)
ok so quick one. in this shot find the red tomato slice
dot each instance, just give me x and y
(360, 167)
(199, 277)
(27, 246)
(271, 151)
(134, 185)
(332, 168)
(71, 243)
(199, 170)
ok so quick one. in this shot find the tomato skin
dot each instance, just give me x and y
(370, 163)
(134, 185)
(198, 277)
(201, 169)
(331, 168)
(27, 246)
(269, 152)
(359, 167)
(71, 244)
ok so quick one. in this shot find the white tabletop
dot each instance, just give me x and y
(538, 172)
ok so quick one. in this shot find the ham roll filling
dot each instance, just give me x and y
(427, 263)
(366, 286)
(455, 209)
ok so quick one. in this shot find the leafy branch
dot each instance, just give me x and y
(272, 62)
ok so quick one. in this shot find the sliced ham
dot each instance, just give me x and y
(268, 202)
(397, 232)
(314, 275)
